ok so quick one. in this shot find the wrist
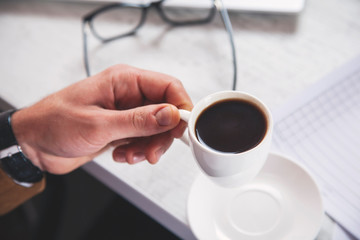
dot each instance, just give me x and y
(12, 159)
(25, 136)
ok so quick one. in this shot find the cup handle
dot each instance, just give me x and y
(185, 116)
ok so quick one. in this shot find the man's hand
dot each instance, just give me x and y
(132, 109)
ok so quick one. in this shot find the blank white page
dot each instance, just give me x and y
(321, 129)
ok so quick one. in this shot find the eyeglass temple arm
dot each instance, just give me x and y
(226, 20)
(86, 30)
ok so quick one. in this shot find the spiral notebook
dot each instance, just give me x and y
(321, 130)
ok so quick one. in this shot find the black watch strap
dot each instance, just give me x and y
(7, 137)
(15, 163)
(19, 168)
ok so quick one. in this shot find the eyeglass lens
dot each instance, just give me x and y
(116, 21)
(122, 20)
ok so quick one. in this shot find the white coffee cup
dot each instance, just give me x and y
(227, 169)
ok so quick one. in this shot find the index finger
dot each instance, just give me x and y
(156, 87)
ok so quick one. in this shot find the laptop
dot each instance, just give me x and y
(272, 6)
(275, 6)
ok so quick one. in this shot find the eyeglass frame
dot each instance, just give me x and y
(87, 26)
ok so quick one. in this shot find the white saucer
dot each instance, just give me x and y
(283, 202)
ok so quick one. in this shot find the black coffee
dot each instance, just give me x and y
(231, 126)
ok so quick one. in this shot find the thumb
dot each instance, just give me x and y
(145, 121)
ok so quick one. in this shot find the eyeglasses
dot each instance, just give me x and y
(130, 17)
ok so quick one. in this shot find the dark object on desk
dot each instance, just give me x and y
(77, 206)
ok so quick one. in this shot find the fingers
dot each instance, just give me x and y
(132, 85)
(148, 148)
(132, 88)
(142, 121)
(170, 89)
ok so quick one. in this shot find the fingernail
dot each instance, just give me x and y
(164, 116)
(120, 157)
(138, 157)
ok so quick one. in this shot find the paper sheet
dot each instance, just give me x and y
(341, 234)
(321, 130)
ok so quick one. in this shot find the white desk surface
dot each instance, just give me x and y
(278, 57)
